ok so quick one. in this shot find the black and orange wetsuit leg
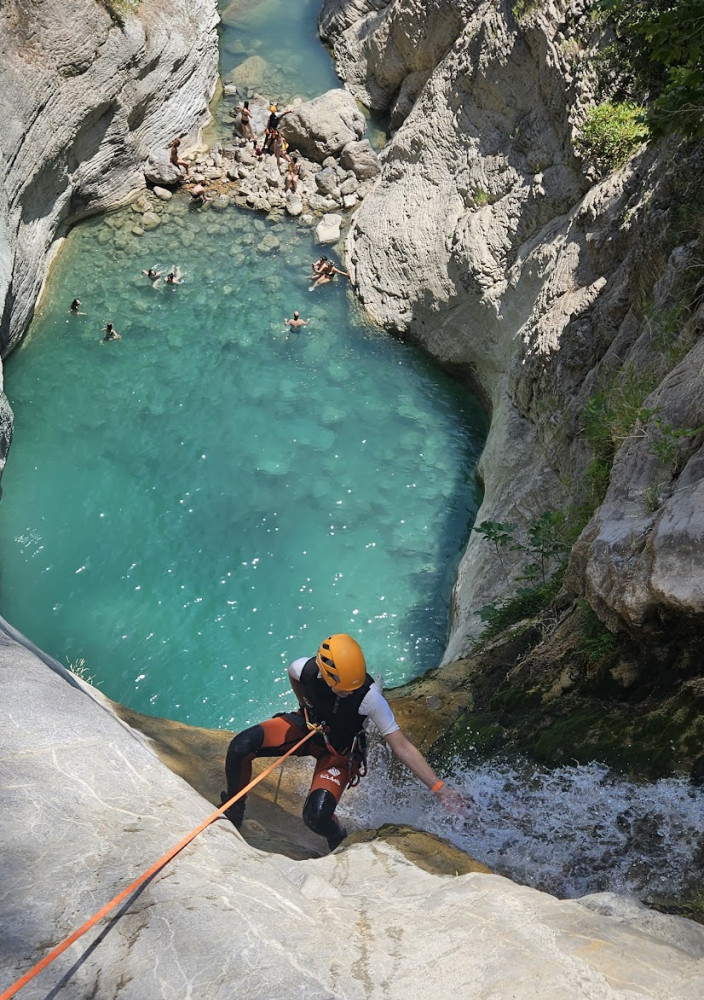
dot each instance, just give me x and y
(268, 739)
(329, 782)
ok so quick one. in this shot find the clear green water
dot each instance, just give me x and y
(191, 506)
(284, 36)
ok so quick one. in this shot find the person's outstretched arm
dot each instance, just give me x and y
(414, 760)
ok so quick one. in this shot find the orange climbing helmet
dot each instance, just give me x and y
(341, 662)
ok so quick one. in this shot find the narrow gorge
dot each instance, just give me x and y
(567, 294)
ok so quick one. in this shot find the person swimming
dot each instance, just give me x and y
(326, 274)
(318, 265)
(152, 273)
(110, 333)
(75, 308)
(296, 322)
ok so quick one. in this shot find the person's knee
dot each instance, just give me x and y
(318, 811)
(247, 742)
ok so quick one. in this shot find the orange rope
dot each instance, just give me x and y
(48, 959)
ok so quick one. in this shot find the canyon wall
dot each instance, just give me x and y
(89, 90)
(487, 241)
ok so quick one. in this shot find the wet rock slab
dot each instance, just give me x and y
(88, 805)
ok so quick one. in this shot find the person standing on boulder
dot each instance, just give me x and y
(246, 130)
(272, 126)
(335, 696)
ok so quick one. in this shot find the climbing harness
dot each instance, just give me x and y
(356, 756)
(157, 866)
(357, 759)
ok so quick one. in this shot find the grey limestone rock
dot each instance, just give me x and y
(326, 181)
(360, 158)
(159, 170)
(321, 127)
(328, 229)
(294, 204)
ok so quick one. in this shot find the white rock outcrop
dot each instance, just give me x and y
(87, 807)
(321, 127)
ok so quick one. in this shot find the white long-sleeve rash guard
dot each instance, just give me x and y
(374, 705)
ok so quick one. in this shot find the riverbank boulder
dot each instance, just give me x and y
(361, 159)
(323, 126)
(159, 170)
(328, 229)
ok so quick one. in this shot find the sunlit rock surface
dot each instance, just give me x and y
(486, 241)
(88, 806)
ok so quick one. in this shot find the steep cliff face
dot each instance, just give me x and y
(89, 89)
(485, 241)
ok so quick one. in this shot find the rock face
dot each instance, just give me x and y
(485, 241)
(273, 926)
(87, 95)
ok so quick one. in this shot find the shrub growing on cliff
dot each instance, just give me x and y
(611, 133)
(659, 56)
(119, 9)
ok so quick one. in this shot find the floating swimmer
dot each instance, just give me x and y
(296, 322)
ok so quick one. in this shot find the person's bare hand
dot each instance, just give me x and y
(453, 800)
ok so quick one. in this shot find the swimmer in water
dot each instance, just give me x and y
(110, 333)
(318, 265)
(327, 273)
(173, 278)
(75, 308)
(296, 322)
(152, 274)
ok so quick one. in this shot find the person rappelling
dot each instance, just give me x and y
(335, 696)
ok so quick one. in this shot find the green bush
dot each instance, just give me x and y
(611, 133)
(522, 9)
(528, 602)
(119, 9)
(659, 57)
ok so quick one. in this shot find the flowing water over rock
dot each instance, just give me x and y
(569, 831)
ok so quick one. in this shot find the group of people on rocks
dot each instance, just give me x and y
(323, 270)
(272, 141)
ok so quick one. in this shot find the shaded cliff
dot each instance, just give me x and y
(89, 90)
(574, 305)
